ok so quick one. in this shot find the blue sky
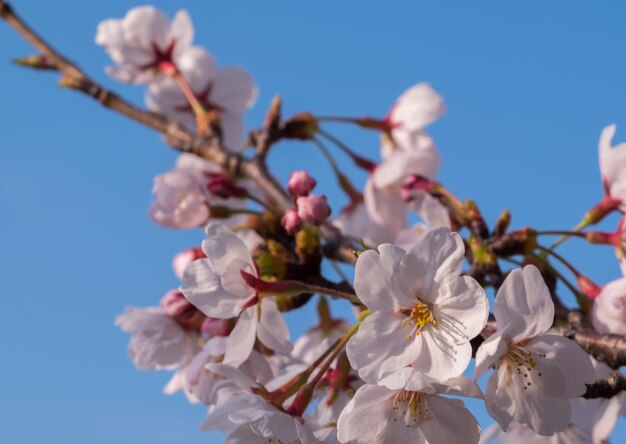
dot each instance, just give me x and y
(528, 86)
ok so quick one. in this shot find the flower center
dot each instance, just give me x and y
(417, 318)
(524, 362)
(410, 407)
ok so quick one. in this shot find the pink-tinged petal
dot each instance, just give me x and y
(381, 347)
(232, 374)
(245, 435)
(613, 164)
(232, 130)
(400, 164)
(234, 90)
(181, 31)
(575, 366)
(440, 356)
(489, 353)
(199, 69)
(241, 340)
(375, 279)
(409, 379)
(202, 286)
(144, 26)
(434, 214)
(443, 250)
(417, 107)
(607, 419)
(608, 314)
(462, 307)
(385, 206)
(449, 422)
(524, 302)
(272, 329)
(542, 413)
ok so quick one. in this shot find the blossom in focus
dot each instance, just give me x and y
(158, 342)
(216, 287)
(424, 312)
(613, 166)
(228, 91)
(608, 313)
(143, 42)
(377, 414)
(535, 373)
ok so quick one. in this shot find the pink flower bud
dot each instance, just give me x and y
(180, 309)
(184, 258)
(313, 209)
(300, 183)
(291, 221)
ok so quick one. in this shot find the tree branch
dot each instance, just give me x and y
(612, 385)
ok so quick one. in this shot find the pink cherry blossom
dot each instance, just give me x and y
(229, 91)
(143, 41)
(608, 314)
(424, 312)
(377, 414)
(416, 108)
(300, 183)
(313, 209)
(180, 202)
(158, 342)
(535, 373)
(613, 166)
(215, 286)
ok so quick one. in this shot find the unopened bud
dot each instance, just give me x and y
(313, 209)
(177, 307)
(36, 61)
(587, 286)
(302, 126)
(291, 221)
(600, 211)
(522, 241)
(300, 183)
(217, 327)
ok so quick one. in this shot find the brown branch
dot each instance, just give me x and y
(612, 385)
(179, 138)
(608, 348)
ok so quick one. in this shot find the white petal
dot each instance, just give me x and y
(181, 30)
(443, 250)
(241, 340)
(272, 329)
(449, 422)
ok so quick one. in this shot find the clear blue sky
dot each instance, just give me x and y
(529, 86)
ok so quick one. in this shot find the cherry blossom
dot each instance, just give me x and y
(379, 415)
(235, 405)
(313, 209)
(216, 287)
(184, 258)
(158, 342)
(228, 91)
(416, 108)
(300, 183)
(613, 166)
(608, 314)
(143, 41)
(535, 373)
(424, 312)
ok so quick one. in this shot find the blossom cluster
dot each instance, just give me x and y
(398, 371)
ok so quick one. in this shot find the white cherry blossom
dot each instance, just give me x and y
(143, 41)
(613, 166)
(608, 313)
(535, 373)
(216, 287)
(416, 108)
(378, 415)
(229, 91)
(424, 312)
(158, 342)
(235, 404)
